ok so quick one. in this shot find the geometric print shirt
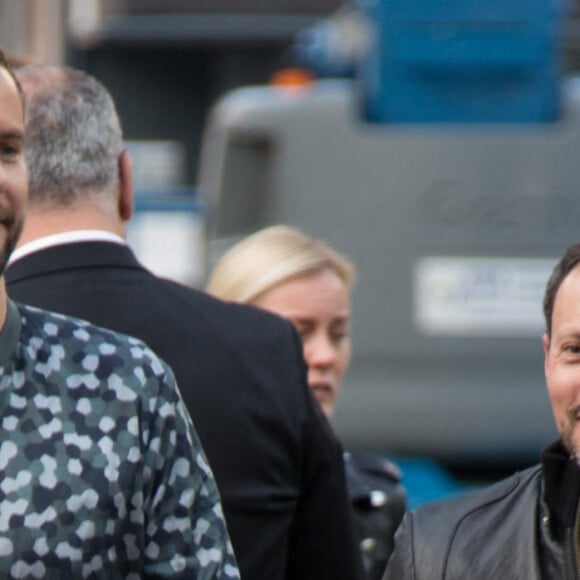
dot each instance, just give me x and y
(101, 472)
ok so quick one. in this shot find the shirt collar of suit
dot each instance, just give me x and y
(64, 238)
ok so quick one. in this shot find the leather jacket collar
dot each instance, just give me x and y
(561, 488)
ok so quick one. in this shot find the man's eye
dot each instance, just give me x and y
(573, 349)
(9, 151)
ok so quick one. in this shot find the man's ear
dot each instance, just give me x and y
(546, 344)
(126, 196)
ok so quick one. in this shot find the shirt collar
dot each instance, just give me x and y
(64, 238)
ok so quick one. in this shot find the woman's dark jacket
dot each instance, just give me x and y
(522, 528)
(379, 502)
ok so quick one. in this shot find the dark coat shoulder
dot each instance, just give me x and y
(242, 376)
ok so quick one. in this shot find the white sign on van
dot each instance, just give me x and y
(464, 296)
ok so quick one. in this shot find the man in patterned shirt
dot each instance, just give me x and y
(101, 471)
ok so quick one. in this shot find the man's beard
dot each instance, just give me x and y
(567, 435)
(568, 442)
(13, 231)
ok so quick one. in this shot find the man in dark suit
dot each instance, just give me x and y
(278, 467)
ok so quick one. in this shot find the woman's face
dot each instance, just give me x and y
(318, 306)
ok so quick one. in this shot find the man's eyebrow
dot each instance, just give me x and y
(572, 335)
(12, 135)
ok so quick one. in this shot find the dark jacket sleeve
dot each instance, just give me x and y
(324, 506)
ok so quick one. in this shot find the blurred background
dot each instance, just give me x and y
(437, 144)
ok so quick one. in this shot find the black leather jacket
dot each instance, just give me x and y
(521, 528)
(379, 502)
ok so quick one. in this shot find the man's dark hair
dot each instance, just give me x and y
(569, 261)
(5, 64)
(3, 59)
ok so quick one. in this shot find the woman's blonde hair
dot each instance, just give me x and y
(269, 257)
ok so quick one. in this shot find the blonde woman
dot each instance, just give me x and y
(305, 281)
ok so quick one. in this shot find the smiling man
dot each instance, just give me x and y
(527, 526)
(562, 351)
(101, 472)
(13, 175)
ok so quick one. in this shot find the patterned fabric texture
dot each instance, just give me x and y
(101, 472)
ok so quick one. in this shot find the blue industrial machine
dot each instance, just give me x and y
(462, 61)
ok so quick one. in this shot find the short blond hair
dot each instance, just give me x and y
(269, 257)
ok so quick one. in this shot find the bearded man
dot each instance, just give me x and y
(527, 526)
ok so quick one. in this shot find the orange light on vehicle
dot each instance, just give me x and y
(292, 79)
